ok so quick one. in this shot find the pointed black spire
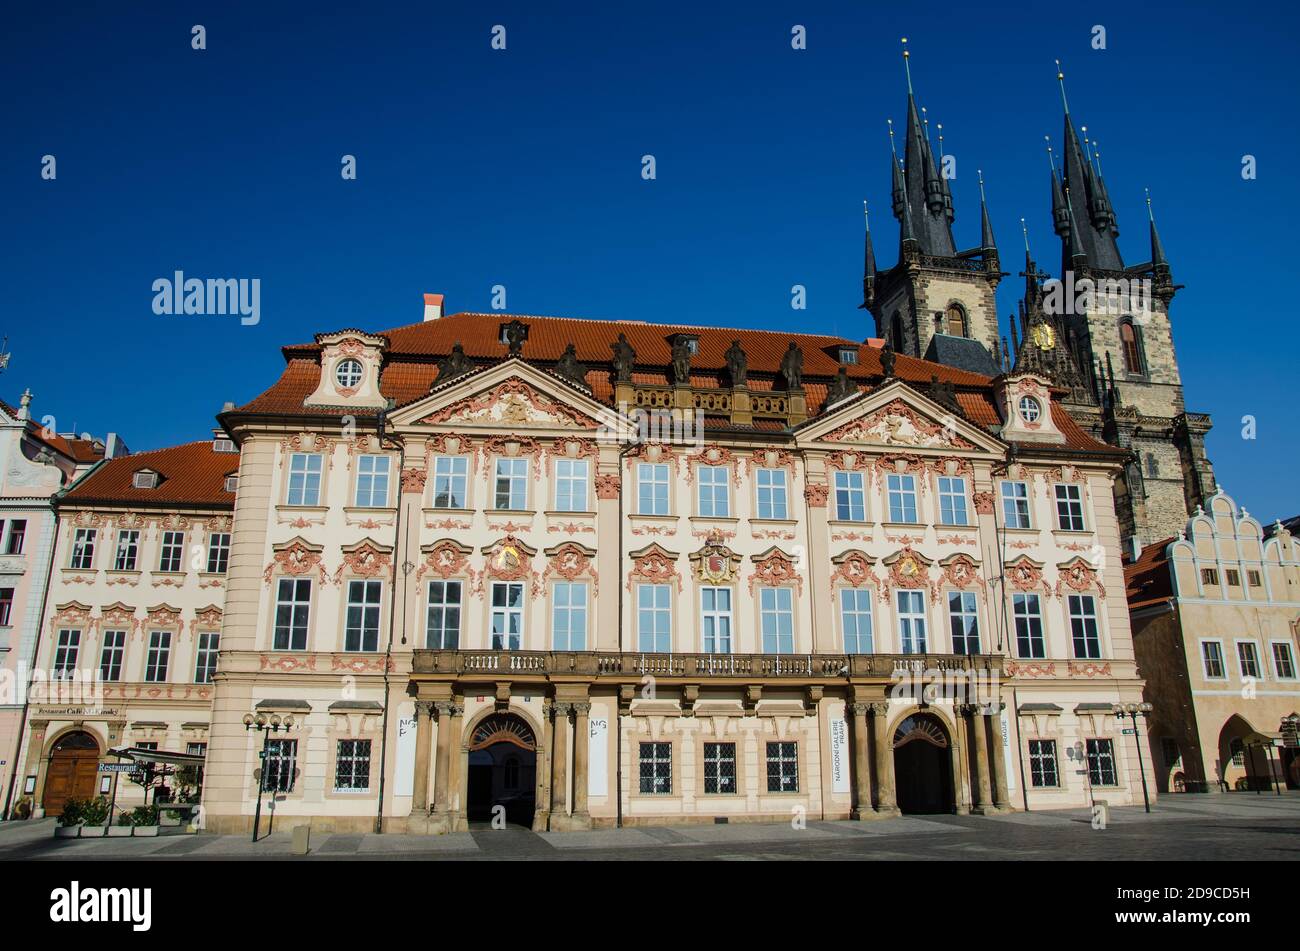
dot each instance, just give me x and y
(868, 264)
(1094, 221)
(987, 243)
(1157, 249)
(923, 187)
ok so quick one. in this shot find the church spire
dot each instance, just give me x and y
(986, 226)
(868, 264)
(1094, 220)
(924, 188)
(1158, 258)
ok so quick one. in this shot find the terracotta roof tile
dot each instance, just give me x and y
(1147, 580)
(192, 475)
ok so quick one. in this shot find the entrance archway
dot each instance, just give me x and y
(74, 762)
(502, 770)
(923, 765)
(1244, 756)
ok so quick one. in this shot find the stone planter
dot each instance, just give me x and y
(119, 831)
(67, 832)
(93, 832)
(147, 830)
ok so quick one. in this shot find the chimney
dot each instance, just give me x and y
(432, 306)
(114, 447)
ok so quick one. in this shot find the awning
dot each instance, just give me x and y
(138, 755)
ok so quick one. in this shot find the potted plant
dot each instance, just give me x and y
(123, 826)
(69, 826)
(94, 817)
(23, 808)
(145, 820)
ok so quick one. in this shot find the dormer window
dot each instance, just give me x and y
(692, 345)
(232, 482)
(348, 374)
(848, 355)
(223, 444)
(144, 479)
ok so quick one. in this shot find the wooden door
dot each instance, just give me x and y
(74, 764)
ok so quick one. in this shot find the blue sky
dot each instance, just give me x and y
(522, 168)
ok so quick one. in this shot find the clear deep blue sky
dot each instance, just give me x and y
(522, 168)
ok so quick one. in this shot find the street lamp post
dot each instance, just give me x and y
(267, 725)
(1132, 710)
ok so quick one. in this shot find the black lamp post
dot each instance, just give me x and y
(1132, 710)
(268, 725)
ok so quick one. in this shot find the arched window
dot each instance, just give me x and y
(896, 331)
(955, 319)
(1153, 468)
(1131, 342)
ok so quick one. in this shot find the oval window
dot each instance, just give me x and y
(348, 374)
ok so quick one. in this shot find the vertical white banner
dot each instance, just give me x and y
(839, 755)
(598, 755)
(404, 782)
(1006, 754)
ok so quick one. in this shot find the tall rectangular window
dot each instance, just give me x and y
(1248, 659)
(218, 553)
(6, 606)
(902, 497)
(1015, 504)
(911, 621)
(65, 654)
(172, 551)
(205, 657)
(1212, 657)
(159, 656)
(304, 479)
(714, 498)
(17, 534)
(772, 494)
(362, 630)
(652, 488)
(654, 618)
(715, 620)
(569, 616)
(1283, 661)
(1083, 626)
(110, 656)
(450, 482)
(352, 766)
(1069, 508)
(855, 615)
(292, 607)
(1029, 625)
(952, 500)
(128, 549)
(963, 621)
(571, 485)
(719, 768)
(83, 549)
(1101, 763)
(850, 497)
(280, 765)
(511, 484)
(782, 767)
(1042, 764)
(776, 614)
(443, 626)
(507, 615)
(656, 768)
(372, 482)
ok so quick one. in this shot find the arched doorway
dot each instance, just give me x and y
(1244, 756)
(502, 770)
(74, 761)
(923, 765)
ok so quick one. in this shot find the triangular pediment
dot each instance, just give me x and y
(509, 396)
(897, 417)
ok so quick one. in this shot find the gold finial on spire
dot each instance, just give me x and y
(979, 173)
(1025, 231)
(866, 218)
(1150, 214)
(1051, 158)
(907, 66)
(1060, 78)
(939, 126)
(893, 148)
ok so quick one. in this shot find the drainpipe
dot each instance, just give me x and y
(392, 617)
(618, 699)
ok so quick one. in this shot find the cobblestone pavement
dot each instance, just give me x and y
(1180, 828)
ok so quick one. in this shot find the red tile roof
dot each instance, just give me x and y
(74, 448)
(192, 475)
(1147, 580)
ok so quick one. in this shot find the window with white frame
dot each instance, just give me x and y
(855, 617)
(952, 500)
(372, 482)
(65, 654)
(159, 657)
(654, 618)
(128, 550)
(963, 622)
(450, 481)
(304, 478)
(218, 552)
(569, 616)
(776, 616)
(1015, 504)
(14, 536)
(911, 621)
(511, 484)
(571, 485)
(1248, 659)
(1069, 508)
(172, 551)
(205, 657)
(442, 629)
(507, 615)
(110, 655)
(352, 766)
(715, 620)
(1283, 660)
(652, 488)
(83, 549)
(1042, 764)
(771, 493)
(656, 768)
(1212, 660)
(292, 610)
(782, 767)
(719, 768)
(1101, 763)
(361, 632)
(6, 606)
(1083, 626)
(850, 497)
(1027, 612)
(902, 497)
(714, 498)
(280, 766)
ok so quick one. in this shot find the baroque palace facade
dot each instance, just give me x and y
(848, 583)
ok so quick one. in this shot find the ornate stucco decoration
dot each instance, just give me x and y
(296, 557)
(512, 402)
(608, 485)
(71, 614)
(774, 568)
(209, 619)
(1078, 575)
(773, 457)
(909, 569)
(509, 559)
(571, 561)
(853, 569)
(714, 455)
(654, 565)
(897, 424)
(119, 616)
(651, 452)
(816, 495)
(1026, 575)
(308, 442)
(413, 481)
(163, 615)
(983, 502)
(960, 571)
(366, 559)
(715, 563)
(446, 559)
(515, 447)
